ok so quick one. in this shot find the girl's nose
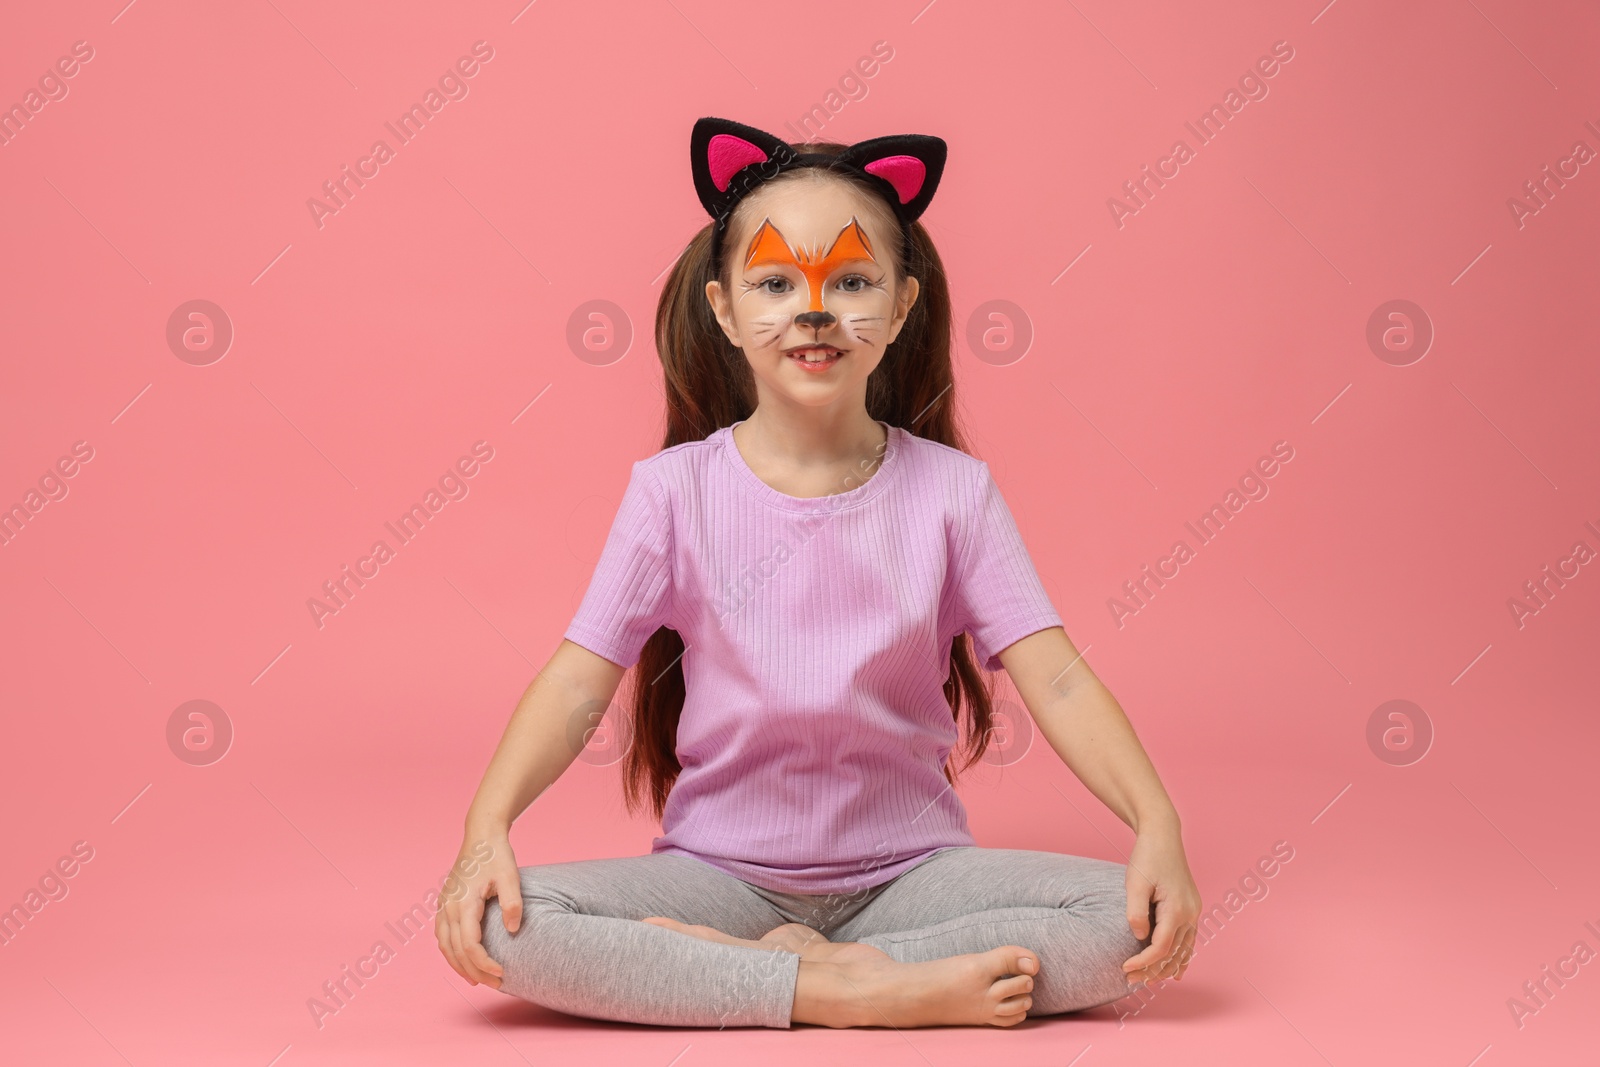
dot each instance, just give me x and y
(819, 319)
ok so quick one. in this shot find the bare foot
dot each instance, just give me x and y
(797, 938)
(711, 933)
(865, 987)
(803, 941)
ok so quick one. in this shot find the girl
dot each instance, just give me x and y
(797, 576)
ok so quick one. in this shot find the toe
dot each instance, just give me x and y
(1016, 985)
(1018, 960)
(1013, 1010)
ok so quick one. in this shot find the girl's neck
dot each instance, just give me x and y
(804, 454)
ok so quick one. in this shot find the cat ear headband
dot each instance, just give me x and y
(731, 160)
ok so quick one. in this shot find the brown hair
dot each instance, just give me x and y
(709, 385)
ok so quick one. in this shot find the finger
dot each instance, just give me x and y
(1173, 964)
(468, 971)
(468, 935)
(439, 935)
(447, 946)
(1182, 950)
(472, 941)
(1139, 894)
(478, 956)
(486, 970)
(508, 888)
(1148, 975)
(1186, 954)
(442, 936)
(1160, 946)
(1165, 939)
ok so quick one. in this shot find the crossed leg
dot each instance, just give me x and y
(967, 902)
(851, 984)
(1071, 909)
(582, 949)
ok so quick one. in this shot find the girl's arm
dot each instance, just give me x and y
(536, 748)
(1089, 731)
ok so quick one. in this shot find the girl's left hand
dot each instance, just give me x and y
(1158, 873)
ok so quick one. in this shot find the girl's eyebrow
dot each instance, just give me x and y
(842, 262)
(768, 244)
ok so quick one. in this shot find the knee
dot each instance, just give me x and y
(1102, 936)
(1113, 936)
(1101, 894)
(1116, 909)
(500, 943)
(496, 938)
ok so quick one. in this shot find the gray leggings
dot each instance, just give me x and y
(581, 949)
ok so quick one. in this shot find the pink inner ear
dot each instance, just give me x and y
(727, 155)
(905, 173)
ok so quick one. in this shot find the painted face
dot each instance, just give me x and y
(838, 295)
(768, 248)
(813, 265)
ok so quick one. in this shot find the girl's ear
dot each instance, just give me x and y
(722, 153)
(911, 164)
(719, 149)
(905, 298)
(722, 309)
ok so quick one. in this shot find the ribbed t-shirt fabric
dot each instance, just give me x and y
(817, 634)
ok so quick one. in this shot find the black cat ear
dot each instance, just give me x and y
(719, 149)
(911, 164)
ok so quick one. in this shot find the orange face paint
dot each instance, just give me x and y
(769, 248)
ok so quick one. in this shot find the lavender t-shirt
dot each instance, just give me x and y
(817, 634)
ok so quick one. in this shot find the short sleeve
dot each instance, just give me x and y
(998, 597)
(630, 594)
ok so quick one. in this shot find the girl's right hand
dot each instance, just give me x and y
(484, 868)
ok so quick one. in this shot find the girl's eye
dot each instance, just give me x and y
(765, 284)
(844, 283)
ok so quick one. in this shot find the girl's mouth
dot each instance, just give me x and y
(815, 358)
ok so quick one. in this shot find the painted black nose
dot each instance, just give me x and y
(819, 319)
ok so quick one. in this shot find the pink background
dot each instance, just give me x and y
(1229, 313)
